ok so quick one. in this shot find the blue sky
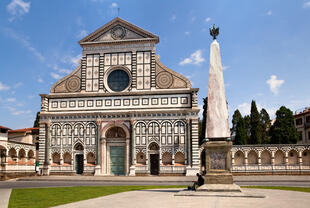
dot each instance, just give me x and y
(265, 47)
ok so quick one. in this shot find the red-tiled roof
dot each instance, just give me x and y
(23, 130)
(3, 127)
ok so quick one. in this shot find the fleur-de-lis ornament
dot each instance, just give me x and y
(215, 31)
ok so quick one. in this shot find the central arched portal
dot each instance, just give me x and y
(117, 146)
(154, 158)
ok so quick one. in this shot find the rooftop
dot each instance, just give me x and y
(23, 130)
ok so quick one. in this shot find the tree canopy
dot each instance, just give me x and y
(256, 128)
(283, 131)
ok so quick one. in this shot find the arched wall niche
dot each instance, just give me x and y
(239, 158)
(252, 158)
(265, 157)
(141, 159)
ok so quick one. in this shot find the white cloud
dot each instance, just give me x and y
(18, 8)
(208, 19)
(11, 33)
(274, 84)
(98, 1)
(114, 5)
(269, 13)
(73, 60)
(201, 111)
(187, 33)
(82, 34)
(40, 80)
(21, 112)
(16, 112)
(173, 17)
(11, 100)
(64, 71)
(55, 76)
(245, 109)
(4, 87)
(195, 58)
(193, 19)
(306, 4)
(18, 84)
(225, 67)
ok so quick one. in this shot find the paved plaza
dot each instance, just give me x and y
(165, 198)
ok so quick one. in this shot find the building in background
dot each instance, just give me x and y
(18, 151)
(302, 123)
(121, 111)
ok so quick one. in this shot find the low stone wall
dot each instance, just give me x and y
(281, 159)
(10, 175)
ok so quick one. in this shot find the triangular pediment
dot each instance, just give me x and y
(118, 30)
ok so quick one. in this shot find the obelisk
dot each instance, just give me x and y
(217, 114)
(217, 143)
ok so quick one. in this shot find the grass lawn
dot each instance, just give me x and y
(285, 188)
(47, 197)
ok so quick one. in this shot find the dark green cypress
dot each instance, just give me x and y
(255, 128)
(283, 131)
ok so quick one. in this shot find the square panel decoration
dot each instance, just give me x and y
(145, 101)
(90, 103)
(98, 103)
(174, 100)
(72, 104)
(54, 104)
(108, 102)
(184, 100)
(126, 102)
(135, 101)
(154, 101)
(164, 101)
(117, 102)
(63, 104)
(81, 103)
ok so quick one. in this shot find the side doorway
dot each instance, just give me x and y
(79, 163)
(79, 158)
(154, 158)
(154, 164)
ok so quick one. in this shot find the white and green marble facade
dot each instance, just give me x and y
(157, 113)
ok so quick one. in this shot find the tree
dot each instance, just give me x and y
(204, 121)
(255, 137)
(36, 122)
(241, 133)
(247, 123)
(235, 119)
(264, 126)
(238, 130)
(283, 131)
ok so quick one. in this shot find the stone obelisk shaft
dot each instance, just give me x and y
(217, 113)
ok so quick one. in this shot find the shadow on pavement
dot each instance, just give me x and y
(163, 190)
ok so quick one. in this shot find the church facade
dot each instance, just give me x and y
(120, 112)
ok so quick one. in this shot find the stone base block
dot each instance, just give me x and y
(97, 170)
(219, 188)
(132, 171)
(218, 178)
(242, 194)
